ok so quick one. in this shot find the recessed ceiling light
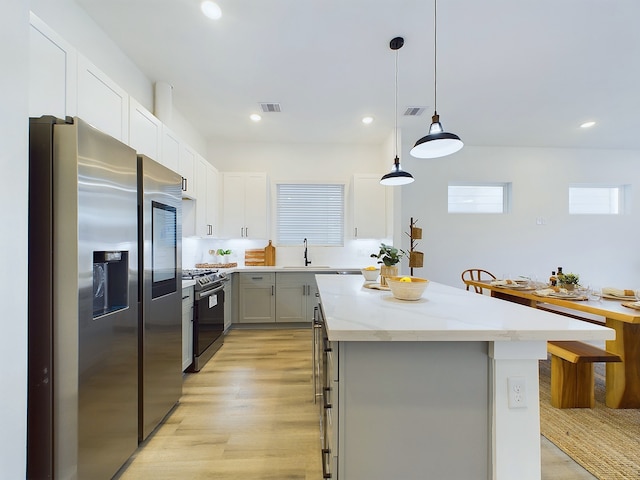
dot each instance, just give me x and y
(367, 120)
(587, 124)
(211, 10)
(255, 117)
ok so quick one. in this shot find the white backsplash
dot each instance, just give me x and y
(355, 253)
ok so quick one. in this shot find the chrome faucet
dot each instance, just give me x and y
(306, 258)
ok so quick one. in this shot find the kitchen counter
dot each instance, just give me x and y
(425, 389)
(354, 313)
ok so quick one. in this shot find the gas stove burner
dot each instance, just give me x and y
(197, 273)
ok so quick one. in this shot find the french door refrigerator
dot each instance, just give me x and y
(83, 302)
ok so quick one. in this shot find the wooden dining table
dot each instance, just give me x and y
(622, 378)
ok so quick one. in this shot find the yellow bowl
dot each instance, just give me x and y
(412, 290)
(370, 275)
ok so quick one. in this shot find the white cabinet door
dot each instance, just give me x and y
(255, 206)
(52, 72)
(145, 131)
(187, 170)
(201, 193)
(233, 205)
(170, 151)
(245, 205)
(213, 196)
(101, 102)
(187, 327)
(207, 202)
(369, 207)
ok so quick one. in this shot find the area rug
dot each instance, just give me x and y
(605, 441)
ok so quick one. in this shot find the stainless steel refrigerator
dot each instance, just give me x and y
(85, 300)
(160, 327)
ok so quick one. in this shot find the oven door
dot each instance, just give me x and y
(208, 324)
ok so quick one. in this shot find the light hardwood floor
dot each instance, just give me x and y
(249, 415)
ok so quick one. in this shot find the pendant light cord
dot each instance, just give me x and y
(396, 106)
(435, 56)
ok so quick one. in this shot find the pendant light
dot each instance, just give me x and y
(397, 176)
(437, 143)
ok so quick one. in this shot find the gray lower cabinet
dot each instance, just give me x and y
(229, 302)
(329, 405)
(187, 327)
(295, 297)
(257, 302)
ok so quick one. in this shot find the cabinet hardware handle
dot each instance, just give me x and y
(241, 232)
(272, 291)
(185, 297)
(184, 184)
(325, 452)
(256, 278)
(210, 227)
(324, 398)
(356, 231)
(246, 232)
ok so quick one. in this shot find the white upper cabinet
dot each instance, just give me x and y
(101, 102)
(369, 206)
(187, 169)
(52, 72)
(244, 205)
(170, 151)
(145, 131)
(206, 206)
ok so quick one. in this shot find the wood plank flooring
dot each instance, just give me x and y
(249, 415)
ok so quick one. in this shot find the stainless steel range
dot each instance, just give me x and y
(208, 314)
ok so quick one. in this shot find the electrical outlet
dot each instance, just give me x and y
(517, 392)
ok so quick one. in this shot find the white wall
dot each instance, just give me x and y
(13, 240)
(601, 249)
(295, 163)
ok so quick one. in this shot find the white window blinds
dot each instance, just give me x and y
(311, 211)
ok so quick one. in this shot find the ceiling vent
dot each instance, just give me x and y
(414, 111)
(270, 107)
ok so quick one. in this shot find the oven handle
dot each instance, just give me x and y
(208, 293)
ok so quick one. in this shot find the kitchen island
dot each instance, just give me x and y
(445, 387)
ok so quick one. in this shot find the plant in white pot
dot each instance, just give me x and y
(389, 256)
(569, 280)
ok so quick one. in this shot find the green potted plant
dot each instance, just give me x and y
(389, 256)
(224, 255)
(568, 280)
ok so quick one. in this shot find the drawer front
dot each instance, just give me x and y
(257, 279)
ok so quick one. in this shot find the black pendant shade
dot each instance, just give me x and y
(396, 176)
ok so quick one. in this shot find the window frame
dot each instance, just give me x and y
(506, 197)
(338, 238)
(623, 192)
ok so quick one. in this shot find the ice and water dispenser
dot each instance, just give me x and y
(110, 282)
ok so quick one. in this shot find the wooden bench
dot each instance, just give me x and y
(572, 381)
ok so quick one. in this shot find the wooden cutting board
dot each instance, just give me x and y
(254, 257)
(270, 255)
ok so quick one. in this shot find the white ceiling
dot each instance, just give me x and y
(510, 72)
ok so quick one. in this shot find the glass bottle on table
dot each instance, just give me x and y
(553, 280)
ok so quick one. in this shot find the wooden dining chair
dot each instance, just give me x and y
(476, 274)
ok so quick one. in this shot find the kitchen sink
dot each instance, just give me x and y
(308, 267)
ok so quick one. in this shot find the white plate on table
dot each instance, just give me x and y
(618, 297)
(567, 296)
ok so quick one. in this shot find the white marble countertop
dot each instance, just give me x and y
(281, 269)
(292, 269)
(355, 313)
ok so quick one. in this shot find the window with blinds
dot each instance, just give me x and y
(312, 211)
(476, 198)
(597, 200)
